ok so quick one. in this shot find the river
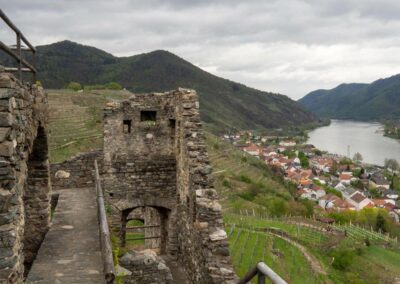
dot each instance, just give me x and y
(366, 138)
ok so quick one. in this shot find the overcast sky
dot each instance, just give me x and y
(286, 46)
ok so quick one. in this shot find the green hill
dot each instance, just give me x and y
(376, 101)
(224, 104)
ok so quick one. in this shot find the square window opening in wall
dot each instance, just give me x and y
(148, 115)
(172, 123)
(127, 125)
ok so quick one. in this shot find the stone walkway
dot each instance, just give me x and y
(70, 252)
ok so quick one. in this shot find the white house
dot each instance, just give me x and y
(312, 194)
(287, 143)
(359, 200)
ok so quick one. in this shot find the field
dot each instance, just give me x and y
(75, 123)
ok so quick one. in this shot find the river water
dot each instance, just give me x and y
(366, 138)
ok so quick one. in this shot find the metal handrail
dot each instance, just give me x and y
(105, 242)
(16, 52)
(261, 270)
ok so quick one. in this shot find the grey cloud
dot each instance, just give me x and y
(291, 46)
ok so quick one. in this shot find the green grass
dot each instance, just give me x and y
(373, 264)
(252, 247)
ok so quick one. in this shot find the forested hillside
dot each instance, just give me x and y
(376, 101)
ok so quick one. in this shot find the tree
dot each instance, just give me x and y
(74, 86)
(357, 157)
(380, 223)
(392, 164)
(113, 86)
(303, 160)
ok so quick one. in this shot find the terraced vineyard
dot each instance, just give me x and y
(276, 241)
(249, 247)
(76, 121)
(237, 173)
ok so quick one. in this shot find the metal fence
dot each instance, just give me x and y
(262, 271)
(17, 50)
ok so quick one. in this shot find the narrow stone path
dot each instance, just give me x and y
(70, 252)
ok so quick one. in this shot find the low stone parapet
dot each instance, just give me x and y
(77, 172)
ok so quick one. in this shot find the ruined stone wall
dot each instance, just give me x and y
(138, 163)
(163, 164)
(24, 175)
(202, 240)
(76, 172)
(144, 267)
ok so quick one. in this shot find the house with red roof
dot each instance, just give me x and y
(346, 178)
(253, 150)
(360, 201)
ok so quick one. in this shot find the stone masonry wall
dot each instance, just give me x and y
(76, 172)
(202, 239)
(145, 267)
(159, 160)
(24, 175)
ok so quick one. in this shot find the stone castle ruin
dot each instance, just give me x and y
(156, 168)
(24, 175)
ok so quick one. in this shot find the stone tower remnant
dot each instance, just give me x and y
(155, 161)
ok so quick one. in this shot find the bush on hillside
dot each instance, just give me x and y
(244, 178)
(73, 86)
(113, 86)
(343, 258)
(107, 86)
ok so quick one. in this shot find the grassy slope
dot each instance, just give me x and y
(237, 173)
(76, 121)
(374, 264)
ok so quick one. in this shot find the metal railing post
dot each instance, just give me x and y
(19, 56)
(34, 74)
(16, 51)
(261, 278)
(262, 271)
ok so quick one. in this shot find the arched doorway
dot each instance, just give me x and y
(148, 224)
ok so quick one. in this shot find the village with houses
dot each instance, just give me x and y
(335, 183)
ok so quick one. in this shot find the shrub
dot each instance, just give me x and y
(342, 259)
(226, 183)
(334, 191)
(244, 178)
(74, 86)
(113, 86)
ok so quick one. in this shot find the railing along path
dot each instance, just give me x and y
(105, 242)
(16, 50)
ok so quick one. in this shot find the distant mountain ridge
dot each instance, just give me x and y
(224, 104)
(376, 101)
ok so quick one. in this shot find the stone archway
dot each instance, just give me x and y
(156, 226)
